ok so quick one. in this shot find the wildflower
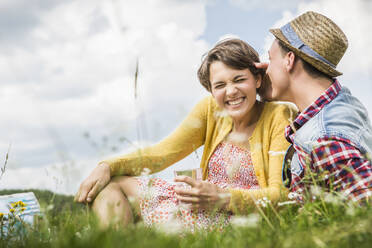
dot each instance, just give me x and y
(246, 221)
(222, 113)
(277, 153)
(286, 203)
(233, 168)
(145, 172)
(12, 210)
(264, 202)
(131, 199)
(350, 210)
(238, 137)
(195, 123)
(316, 190)
(50, 207)
(171, 227)
(293, 195)
(319, 242)
(332, 198)
(1, 216)
(23, 209)
(224, 195)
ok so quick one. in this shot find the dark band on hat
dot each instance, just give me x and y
(296, 42)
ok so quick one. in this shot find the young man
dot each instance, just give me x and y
(332, 136)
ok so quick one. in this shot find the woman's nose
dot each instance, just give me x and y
(231, 89)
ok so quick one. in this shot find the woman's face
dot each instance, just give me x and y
(234, 90)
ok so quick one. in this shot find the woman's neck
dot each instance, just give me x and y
(246, 125)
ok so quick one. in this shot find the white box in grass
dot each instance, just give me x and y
(30, 209)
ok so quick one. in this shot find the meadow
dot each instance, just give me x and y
(325, 221)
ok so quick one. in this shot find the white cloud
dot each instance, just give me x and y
(266, 4)
(73, 71)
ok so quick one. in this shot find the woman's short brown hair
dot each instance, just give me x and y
(234, 53)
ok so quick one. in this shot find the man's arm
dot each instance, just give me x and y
(343, 166)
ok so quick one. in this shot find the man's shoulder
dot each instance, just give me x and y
(344, 113)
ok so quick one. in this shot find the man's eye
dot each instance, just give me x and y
(218, 86)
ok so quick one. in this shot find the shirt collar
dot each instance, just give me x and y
(313, 109)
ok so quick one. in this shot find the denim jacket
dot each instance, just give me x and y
(344, 117)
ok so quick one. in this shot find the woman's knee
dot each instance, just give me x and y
(108, 194)
(129, 185)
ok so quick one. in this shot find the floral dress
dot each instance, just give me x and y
(230, 166)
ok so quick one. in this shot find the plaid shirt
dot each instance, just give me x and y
(337, 161)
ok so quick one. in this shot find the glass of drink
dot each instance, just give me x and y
(195, 174)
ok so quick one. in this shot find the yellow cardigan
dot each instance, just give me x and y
(207, 125)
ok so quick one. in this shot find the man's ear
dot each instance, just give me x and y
(290, 61)
(258, 81)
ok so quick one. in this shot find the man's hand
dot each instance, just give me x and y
(93, 184)
(202, 195)
(261, 65)
(265, 90)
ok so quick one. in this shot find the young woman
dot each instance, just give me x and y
(244, 146)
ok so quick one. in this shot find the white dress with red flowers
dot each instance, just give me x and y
(230, 166)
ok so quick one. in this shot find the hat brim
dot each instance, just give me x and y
(320, 65)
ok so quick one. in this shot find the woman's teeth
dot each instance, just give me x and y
(235, 102)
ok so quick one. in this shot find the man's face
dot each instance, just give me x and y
(277, 87)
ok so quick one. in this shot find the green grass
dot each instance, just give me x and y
(316, 224)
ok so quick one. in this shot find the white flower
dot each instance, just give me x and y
(350, 210)
(233, 168)
(245, 221)
(293, 195)
(145, 172)
(276, 153)
(131, 199)
(286, 203)
(264, 202)
(222, 113)
(171, 227)
(224, 195)
(238, 137)
(316, 190)
(78, 234)
(195, 123)
(332, 198)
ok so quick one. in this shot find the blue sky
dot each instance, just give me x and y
(67, 70)
(251, 25)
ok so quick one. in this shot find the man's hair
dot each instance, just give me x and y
(311, 70)
(234, 53)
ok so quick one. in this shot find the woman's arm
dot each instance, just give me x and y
(189, 135)
(186, 138)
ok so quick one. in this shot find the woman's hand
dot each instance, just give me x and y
(202, 195)
(93, 184)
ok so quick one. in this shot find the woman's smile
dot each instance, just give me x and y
(234, 90)
(235, 103)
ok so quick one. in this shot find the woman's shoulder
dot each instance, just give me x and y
(280, 110)
(208, 102)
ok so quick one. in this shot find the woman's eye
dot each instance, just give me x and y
(240, 80)
(219, 86)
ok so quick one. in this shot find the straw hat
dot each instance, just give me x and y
(316, 39)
